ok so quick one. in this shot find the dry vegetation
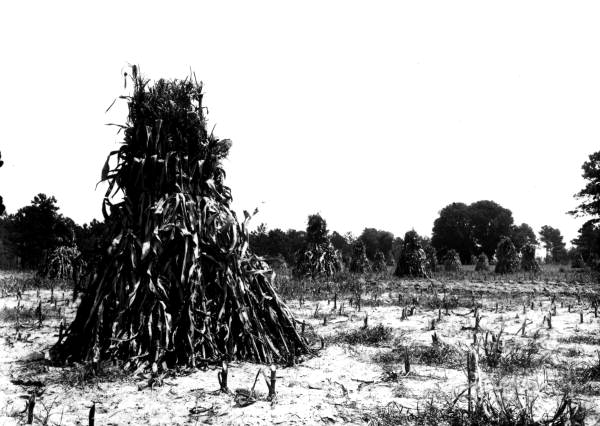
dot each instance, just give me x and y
(460, 348)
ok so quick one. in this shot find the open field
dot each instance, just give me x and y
(394, 352)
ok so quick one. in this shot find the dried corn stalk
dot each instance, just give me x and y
(528, 262)
(379, 264)
(507, 256)
(318, 256)
(62, 263)
(432, 263)
(483, 263)
(452, 261)
(359, 262)
(178, 285)
(412, 261)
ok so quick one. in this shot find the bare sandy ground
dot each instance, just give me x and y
(341, 385)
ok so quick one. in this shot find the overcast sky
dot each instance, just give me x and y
(375, 114)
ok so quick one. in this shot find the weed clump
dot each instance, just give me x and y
(437, 354)
(364, 336)
(521, 358)
(495, 409)
(586, 339)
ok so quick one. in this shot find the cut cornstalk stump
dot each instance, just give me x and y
(30, 407)
(222, 377)
(272, 382)
(92, 415)
(39, 314)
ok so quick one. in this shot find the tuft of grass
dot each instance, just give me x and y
(581, 379)
(518, 358)
(491, 409)
(573, 352)
(364, 336)
(437, 354)
(586, 339)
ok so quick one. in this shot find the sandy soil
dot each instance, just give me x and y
(342, 385)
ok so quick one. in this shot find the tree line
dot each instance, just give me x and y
(470, 230)
(30, 234)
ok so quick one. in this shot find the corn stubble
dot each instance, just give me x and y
(178, 285)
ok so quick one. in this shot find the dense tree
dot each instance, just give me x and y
(590, 194)
(552, 240)
(8, 255)
(294, 242)
(377, 240)
(587, 243)
(397, 247)
(523, 235)
(316, 230)
(259, 240)
(275, 242)
(490, 222)
(343, 244)
(576, 258)
(370, 239)
(34, 230)
(453, 230)
(471, 229)
(92, 240)
(386, 243)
